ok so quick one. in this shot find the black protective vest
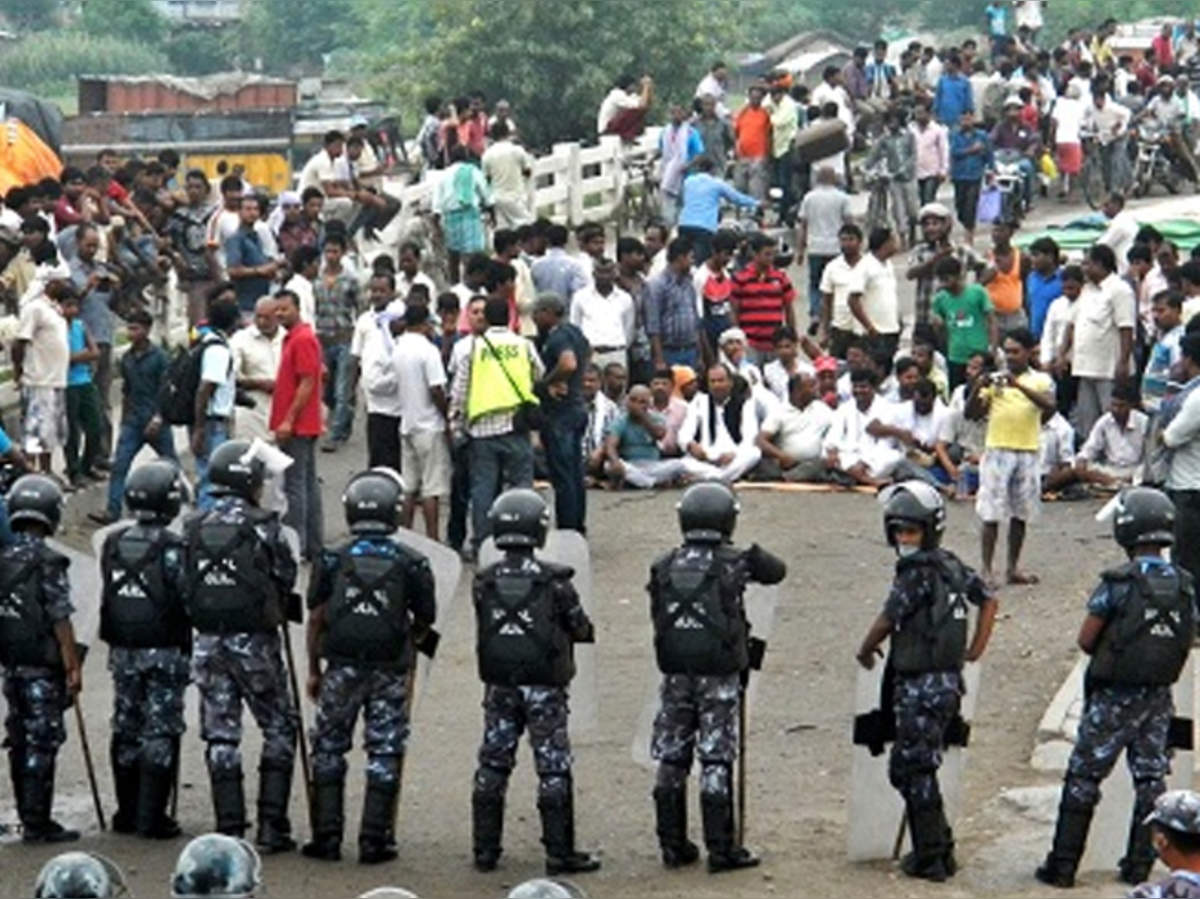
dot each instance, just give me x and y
(26, 631)
(934, 637)
(1148, 641)
(138, 610)
(520, 640)
(699, 623)
(367, 613)
(231, 589)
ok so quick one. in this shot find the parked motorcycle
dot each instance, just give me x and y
(1151, 164)
(1010, 180)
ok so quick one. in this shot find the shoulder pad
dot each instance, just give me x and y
(52, 556)
(1126, 572)
(554, 570)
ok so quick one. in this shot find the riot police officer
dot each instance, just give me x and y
(217, 865)
(79, 875)
(42, 670)
(702, 644)
(528, 618)
(368, 597)
(926, 618)
(242, 573)
(1139, 628)
(144, 621)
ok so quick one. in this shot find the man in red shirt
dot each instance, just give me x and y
(1164, 51)
(752, 129)
(762, 299)
(296, 421)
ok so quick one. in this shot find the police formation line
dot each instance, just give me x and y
(214, 601)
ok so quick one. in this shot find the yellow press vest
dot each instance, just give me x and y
(489, 390)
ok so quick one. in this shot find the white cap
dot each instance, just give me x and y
(731, 334)
(358, 120)
(1013, 100)
(936, 210)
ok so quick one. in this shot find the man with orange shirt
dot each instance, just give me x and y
(1004, 278)
(752, 130)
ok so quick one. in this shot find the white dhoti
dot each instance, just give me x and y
(744, 459)
(647, 473)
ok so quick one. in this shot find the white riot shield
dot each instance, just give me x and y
(760, 601)
(876, 809)
(569, 548)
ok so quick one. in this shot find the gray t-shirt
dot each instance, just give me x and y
(824, 210)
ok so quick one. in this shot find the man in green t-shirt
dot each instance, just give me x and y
(631, 445)
(964, 313)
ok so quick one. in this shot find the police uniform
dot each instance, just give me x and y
(144, 621)
(242, 571)
(373, 591)
(1179, 812)
(701, 644)
(528, 617)
(34, 597)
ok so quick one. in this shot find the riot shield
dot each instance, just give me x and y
(569, 548)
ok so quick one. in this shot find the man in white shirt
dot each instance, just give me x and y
(792, 439)
(372, 347)
(622, 111)
(41, 356)
(1182, 437)
(1121, 232)
(508, 166)
(877, 313)
(1108, 123)
(256, 350)
(1116, 447)
(606, 316)
(856, 444)
(409, 274)
(217, 391)
(714, 85)
(424, 449)
(842, 284)
(321, 171)
(832, 90)
(306, 265)
(719, 432)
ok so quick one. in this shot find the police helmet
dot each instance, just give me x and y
(35, 497)
(155, 491)
(232, 470)
(216, 865)
(519, 518)
(1144, 515)
(914, 503)
(79, 875)
(544, 888)
(389, 893)
(708, 513)
(372, 501)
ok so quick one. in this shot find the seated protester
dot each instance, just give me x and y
(921, 419)
(827, 380)
(925, 354)
(687, 385)
(720, 429)
(857, 357)
(601, 412)
(792, 438)
(857, 443)
(1162, 363)
(1115, 450)
(631, 445)
(732, 344)
(1056, 453)
(778, 373)
(672, 408)
(906, 374)
(961, 440)
(615, 378)
(885, 376)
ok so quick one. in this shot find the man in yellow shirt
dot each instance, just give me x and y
(1009, 476)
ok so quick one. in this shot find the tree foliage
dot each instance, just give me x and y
(194, 51)
(133, 20)
(29, 15)
(292, 36)
(48, 61)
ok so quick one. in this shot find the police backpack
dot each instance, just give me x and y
(699, 624)
(137, 608)
(934, 637)
(231, 589)
(367, 613)
(1148, 642)
(26, 631)
(520, 641)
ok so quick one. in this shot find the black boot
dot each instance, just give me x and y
(948, 860)
(376, 838)
(558, 836)
(16, 773)
(670, 808)
(723, 852)
(36, 799)
(1139, 858)
(1070, 837)
(328, 821)
(487, 827)
(154, 789)
(274, 829)
(229, 802)
(126, 779)
(927, 825)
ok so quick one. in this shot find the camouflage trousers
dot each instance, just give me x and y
(507, 712)
(229, 669)
(148, 686)
(383, 698)
(924, 704)
(1134, 719)
(697, 715)
(33, 727)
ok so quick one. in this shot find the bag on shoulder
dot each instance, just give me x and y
(177, 396)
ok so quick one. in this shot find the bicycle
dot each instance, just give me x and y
(879, 200)
(639, 197)
(1091, 176)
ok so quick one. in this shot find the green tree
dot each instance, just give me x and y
(133, 20)
(30, 15)
(195, 51)
(293, 36)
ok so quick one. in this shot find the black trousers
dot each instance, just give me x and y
(1186, 550)
(383, 440)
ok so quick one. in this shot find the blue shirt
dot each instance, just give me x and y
(702, 195)
(964, 166)
(1040, 292)
(244, 249)
(952, 99)
(558, 272)
(995, 18)
(78, 372)
(671, 309)
(1106, 602)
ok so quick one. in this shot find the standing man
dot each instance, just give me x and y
(877, 313)
(187, 231)
(933, 152)
(336, 296)
(604, 313)
(1182, 438)
(678, 144)
(508, 166)
(715, 134)
(672, 320)
(95, 284)
(970, 158)
(371, 347)
(40, 357)
(823, 211)
(752, 129)
(256, 350)
(216, 393)
(842, 287)
(1009, 475)
(936, 226)
(247, 263)
(785, 123)
(763, 299)
(296, 421)
(700, 214)
(953, 95)
(715, 84)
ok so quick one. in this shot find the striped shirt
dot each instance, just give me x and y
(761, 301)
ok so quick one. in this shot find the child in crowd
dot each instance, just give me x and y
(83, 402)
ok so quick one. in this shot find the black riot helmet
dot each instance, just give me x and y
(372, 501)
(154, 491)
(519, 518)
(1144, 515)
(914, 503)
(230, 471)
(73, 875)
(35, 497)
(708, 513)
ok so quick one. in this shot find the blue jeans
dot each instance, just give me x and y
(687, 355)
(303, 494)
(131, 437)
(816, 268)
(338, 394)
(497, 463)
(216, 432)
(562, 437)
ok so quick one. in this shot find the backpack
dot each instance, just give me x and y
(177, 396)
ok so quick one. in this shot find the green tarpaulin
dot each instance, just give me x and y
(1076, 236)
